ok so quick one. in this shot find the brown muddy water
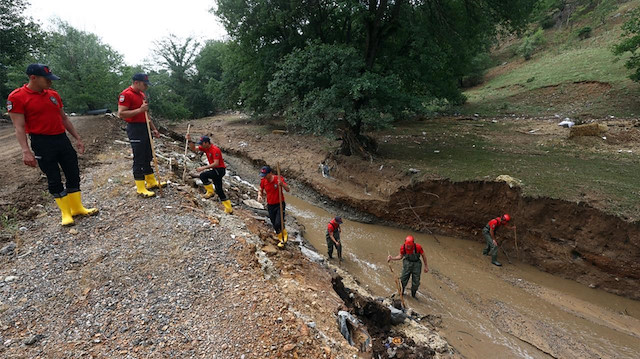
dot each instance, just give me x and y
(487, 312)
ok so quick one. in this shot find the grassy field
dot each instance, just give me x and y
(564, 60)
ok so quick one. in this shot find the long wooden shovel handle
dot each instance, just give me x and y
(186, 146)
(153, 153)
(280, 198)
(398, 287)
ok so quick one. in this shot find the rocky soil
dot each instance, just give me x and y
(174, 276)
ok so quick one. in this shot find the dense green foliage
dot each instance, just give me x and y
(631, 43)
(89, 70)
(20, 37)
(412, 53)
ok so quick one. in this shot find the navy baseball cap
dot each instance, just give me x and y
(41, 70)
(339, 220)
(142, 77)
(264, 171)
(204, 139)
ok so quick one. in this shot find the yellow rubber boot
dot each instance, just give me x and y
(152, 182)
(210, 193)
(65, 209)
(227, 207)
(281, 243)
(285, 235)
(142, 190)
(77, 209)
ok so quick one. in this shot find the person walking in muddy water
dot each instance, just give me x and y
(211, 175)
(269, 185)
(133, 108)
(489, 233)
(410, 253)
(37, 110)
(334, 230)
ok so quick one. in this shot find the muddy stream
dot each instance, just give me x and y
(487, 312)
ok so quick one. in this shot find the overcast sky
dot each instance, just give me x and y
(131, 26)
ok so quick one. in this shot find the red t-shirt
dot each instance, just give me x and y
(132, 99)
(41, 110)
(333, 226)
(495, 223)
(408, 249)
(213, 153)
(272, 189)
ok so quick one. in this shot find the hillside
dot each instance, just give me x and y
(571, 71)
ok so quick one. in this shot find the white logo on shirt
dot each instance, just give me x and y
(9, 105)
(121, 98)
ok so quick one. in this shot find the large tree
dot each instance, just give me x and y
(178, 57)
(90, 71)
(410, 52)
(20, 37)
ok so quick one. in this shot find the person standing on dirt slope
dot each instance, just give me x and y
(269, 186)
(214, 171)
(132, 107)
(333, 237)
(410, 253)
(489, 233)
(37, 110)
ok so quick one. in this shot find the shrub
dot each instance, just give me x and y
(584, 33)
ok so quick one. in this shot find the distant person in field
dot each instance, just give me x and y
(334, 229)
(269, 185)
(35, 109)
(211, 175)
(133, 108)
(489, 233)
(410, 253)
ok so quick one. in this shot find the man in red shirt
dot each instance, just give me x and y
(269, 186)
(489, 233)
(37, 110)
(410, 253)
(214, 171)
(333, 237)
(133, 108)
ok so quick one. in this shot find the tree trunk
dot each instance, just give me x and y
(356, 144)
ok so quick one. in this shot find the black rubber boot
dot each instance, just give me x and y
(496, 263)
(413, 293)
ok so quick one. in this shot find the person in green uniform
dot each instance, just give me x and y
(410, 253)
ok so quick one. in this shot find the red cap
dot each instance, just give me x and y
(408, 240)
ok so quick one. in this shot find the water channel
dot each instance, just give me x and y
(515, 311)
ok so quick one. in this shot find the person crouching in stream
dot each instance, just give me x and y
(410, 253)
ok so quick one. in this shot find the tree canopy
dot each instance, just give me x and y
(395, 57)
(20, 37)
(89, 70)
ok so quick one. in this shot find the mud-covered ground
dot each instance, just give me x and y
(172, 276)
(571, 239)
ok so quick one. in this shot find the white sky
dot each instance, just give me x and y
(130, 27)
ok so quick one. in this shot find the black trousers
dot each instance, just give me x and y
(142, 156)
(215, 175)
(54, 152)
(274, 215)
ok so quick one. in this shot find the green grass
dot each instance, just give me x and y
(564, 60)
(560, 169)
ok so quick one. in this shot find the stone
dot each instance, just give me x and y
(8, 249)
(289, 347)
(9, 279)
(33, 339)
